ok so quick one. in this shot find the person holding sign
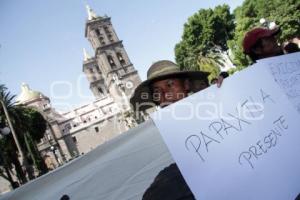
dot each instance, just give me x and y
(165, 85)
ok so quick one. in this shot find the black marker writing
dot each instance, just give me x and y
(262, 146)
(195, 142)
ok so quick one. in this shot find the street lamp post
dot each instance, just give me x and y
(22, 157)
(61, 154)
(263, 22)
(55, 156)
(267, 24)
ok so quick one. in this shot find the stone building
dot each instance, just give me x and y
(112, 79)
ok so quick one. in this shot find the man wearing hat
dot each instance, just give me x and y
(167, 84)
(261, 43)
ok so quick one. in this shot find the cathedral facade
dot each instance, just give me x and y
(112, 79)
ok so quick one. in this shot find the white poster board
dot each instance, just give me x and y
(286, 71)
(237, 142)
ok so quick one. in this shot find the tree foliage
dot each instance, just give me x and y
(204, 33)
(217, 30)
(35, 122)
(29, 126)
(209, 63)
(284, 13)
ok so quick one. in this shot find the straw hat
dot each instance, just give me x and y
(160, 70)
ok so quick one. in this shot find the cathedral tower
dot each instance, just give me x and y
(110, 70)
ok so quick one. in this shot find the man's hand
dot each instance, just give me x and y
(221, 78)
(220, 81)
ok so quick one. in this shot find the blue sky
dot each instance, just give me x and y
(41, 41)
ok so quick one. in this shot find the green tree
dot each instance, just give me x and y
(205, 33)
(33, 130)
(30, 127)
(7, 157)
(284, 13)
(210, 63)
(7, 145)
(217, 30)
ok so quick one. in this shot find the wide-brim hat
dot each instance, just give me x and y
(252, 37)
(142, 98)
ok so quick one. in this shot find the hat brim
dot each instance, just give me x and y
(142, 98)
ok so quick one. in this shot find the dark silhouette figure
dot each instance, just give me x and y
(65, 197)
(291, 48)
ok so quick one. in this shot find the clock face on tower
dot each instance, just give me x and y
(129, 84)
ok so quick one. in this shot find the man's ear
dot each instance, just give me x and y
(187, 85)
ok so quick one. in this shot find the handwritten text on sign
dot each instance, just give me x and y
(286, 72)
(232, 124)
(227, 139)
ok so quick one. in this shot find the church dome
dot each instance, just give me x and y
(28, 95)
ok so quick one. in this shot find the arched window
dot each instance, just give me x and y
(106, 29)
(110, 37)
(120, 58)
(97, 32)
(100, 90)
(111, 61)
(102, 41)
(98, 69)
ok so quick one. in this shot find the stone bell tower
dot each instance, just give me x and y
(94, 75)
(113, 72)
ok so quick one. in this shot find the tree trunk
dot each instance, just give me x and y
(9, 178)
(30, 171)
(6, 169)
(35, 155)
(20, 173)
